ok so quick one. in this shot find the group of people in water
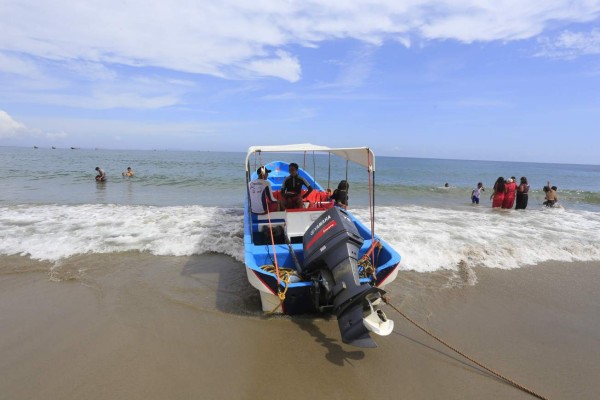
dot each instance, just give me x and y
(507, 193)
(262, 199)
(101, 177)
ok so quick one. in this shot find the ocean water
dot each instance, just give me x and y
(185, 203)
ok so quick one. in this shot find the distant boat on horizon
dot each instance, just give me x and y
(53, 147)
(74, 148)
(35, 147)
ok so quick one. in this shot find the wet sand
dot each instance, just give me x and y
(136, 326)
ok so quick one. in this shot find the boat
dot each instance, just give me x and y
(320, 258)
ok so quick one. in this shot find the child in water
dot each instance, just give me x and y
(476, 193)
(128, 172)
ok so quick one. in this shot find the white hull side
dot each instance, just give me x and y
(268, 299)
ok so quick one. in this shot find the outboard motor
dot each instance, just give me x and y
(331, 246)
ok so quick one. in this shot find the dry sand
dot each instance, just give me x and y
(136, 326)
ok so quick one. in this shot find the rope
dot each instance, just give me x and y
(347, 170)
(329, 172)
(367, 269)
(371, 198)
(314, 182)
(365, 261)
(496, 374)
(277, 274)
(274, 250)
(284, 275)
(278, 271)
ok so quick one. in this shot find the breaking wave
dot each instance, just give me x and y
(427, 238)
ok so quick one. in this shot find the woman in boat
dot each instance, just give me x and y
(340, 195)
(522, 194)
(499, 192)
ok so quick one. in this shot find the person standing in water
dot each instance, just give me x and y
(522, 194)
(128, 172)
(509, 197)
(551, 197)
(476, 193)
(499, 191)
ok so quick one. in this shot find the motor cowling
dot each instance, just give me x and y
(331, 246)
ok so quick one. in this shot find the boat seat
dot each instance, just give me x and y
(275, 216)
(260, 220)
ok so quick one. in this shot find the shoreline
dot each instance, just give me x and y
(137, 326)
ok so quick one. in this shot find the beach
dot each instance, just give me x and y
(139, 326)
(136, 288)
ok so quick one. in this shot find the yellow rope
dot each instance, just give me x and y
(368, 269)
(365, 262)
(285, 274)
(496, 374)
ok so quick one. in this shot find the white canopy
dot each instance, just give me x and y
(361, 155)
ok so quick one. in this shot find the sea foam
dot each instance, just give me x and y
(431, 238)
(53, 232)
(427, 238)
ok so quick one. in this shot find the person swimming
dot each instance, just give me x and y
(128, 172)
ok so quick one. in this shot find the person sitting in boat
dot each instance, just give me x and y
(101, 177)
(128, 172)
(261, 194)
(291, 189)
(340, 195)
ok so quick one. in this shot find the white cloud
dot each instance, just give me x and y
(9, 128)
(355, 70)
(104, 90)
(282, 66)
(133, 100)
(569, 45)
(91, 55)
(236, 37)
(92, 71)
(11, 64)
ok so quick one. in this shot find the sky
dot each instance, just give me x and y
(507, 80)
